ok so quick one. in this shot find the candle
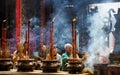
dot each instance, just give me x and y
(2, 36)
(18, 21)
(77, 40)
(0, 44)
(28, 39)
(3, 39)
(51, 40)
(0, 48)
(73, 38)
(42, 21)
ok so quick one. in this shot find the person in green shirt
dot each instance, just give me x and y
(68, 48)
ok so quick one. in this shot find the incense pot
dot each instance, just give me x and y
(50, 64)
(25, 64)
(5, 60)
(5, 64)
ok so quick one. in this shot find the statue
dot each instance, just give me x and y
(18, 54)
(117, 33)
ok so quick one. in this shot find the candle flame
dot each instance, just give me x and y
(30, 20)
(53, 19)
(4, 20)
(74, 20)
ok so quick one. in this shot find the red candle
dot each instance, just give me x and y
(26, 36)
(0, 49)
(51, 40)
(28, 39)
(0, 45)
(73, 38)
(42, 21)
(17, 21)
(3, 39)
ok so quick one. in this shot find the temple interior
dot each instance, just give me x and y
(50, 37)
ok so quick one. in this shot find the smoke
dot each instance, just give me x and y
(62, 26)
(64, 12)
(98, 47)
(98, 39)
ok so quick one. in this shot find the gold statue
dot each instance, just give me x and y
(18, 54)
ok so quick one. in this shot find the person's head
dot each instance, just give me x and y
(55, 49)
(43, 48)
(68, 48)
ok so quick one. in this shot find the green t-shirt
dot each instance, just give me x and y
(65, 56)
